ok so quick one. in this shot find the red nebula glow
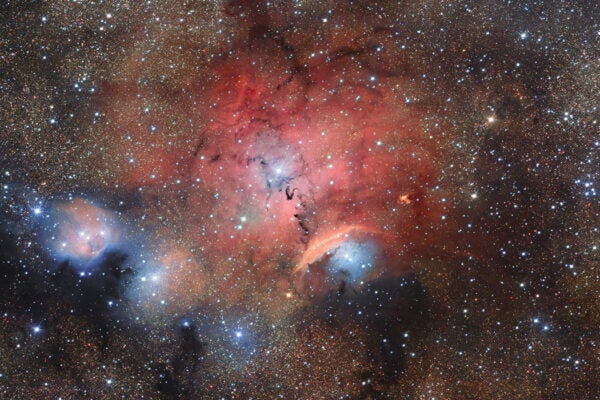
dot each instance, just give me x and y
(269, 157)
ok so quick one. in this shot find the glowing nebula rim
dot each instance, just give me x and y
(332, 240)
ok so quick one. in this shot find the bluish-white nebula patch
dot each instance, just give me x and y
(352, 259)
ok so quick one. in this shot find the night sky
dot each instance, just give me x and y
(299, 199)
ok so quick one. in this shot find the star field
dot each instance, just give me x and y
(299, 200)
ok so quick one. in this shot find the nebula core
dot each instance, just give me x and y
(277, 151)
(299, 199)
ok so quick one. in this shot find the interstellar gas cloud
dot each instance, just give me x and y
(299, 199)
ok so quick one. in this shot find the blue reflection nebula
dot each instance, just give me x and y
(352, 259)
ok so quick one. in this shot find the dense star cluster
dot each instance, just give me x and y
(299, 199)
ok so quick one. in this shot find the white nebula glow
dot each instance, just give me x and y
(353, 258)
